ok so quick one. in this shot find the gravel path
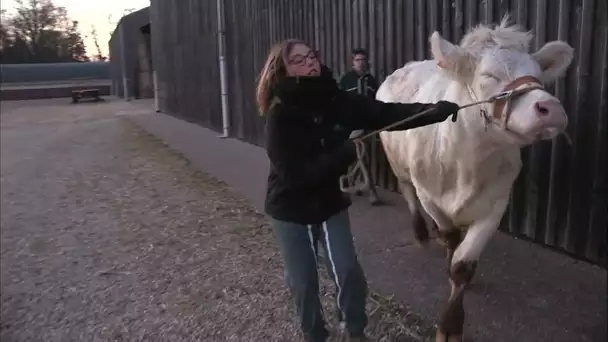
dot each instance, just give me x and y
(108, 235)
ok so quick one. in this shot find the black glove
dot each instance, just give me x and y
(443, 110)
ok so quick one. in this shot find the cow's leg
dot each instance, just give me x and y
(462, 268)
(419, 224)
(431, 217)
(451, 240)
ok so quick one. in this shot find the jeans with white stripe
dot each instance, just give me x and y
(299, 248)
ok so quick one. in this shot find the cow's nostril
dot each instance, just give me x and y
(542, 110)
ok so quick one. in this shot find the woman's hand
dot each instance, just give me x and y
(443, 110)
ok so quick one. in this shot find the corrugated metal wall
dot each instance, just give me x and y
(128, 48)
(185, 57)
(560, 197)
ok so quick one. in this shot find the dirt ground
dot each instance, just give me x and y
(108, 235)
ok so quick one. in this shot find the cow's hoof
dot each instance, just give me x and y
(442, 337)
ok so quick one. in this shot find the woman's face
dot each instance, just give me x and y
(302, 61)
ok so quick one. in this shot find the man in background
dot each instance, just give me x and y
(360, 80)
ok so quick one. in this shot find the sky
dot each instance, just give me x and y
(89, 12)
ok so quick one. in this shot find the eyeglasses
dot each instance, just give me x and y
(301, 60)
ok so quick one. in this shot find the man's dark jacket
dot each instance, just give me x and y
(365, 84)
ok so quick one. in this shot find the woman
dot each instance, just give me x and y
(308, 123)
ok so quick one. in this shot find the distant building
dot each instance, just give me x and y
(53, 72)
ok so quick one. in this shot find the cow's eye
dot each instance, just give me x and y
(491, 76)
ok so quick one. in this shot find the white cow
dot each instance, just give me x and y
(461, 174)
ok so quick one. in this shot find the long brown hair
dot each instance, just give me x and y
(274, 70)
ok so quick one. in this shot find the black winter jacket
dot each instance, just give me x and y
(307, 128)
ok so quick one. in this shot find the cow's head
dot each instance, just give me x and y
(491, 60)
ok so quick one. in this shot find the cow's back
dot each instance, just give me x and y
(404, 84)
(415, 82)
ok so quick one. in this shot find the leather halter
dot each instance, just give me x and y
(502, 101)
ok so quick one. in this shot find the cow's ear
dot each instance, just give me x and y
(451, 58)
(554, 59)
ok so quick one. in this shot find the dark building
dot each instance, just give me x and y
(131, 56)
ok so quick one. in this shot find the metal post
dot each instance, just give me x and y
(155, 85)
(221, 42)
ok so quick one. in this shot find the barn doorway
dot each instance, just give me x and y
(144, 87)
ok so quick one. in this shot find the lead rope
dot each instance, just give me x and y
(349, 177)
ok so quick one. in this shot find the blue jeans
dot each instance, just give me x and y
(299, 248)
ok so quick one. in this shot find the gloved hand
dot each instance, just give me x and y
(443, 110)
